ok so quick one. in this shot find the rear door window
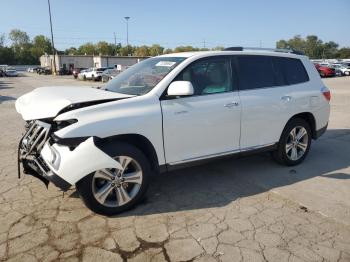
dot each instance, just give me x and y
(255, 72)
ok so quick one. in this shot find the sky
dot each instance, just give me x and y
(250, 23)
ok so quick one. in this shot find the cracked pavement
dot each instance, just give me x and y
(247, 209)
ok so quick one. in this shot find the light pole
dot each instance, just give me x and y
(53, 44)
(127, 29)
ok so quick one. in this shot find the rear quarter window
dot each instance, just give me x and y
(293, 70)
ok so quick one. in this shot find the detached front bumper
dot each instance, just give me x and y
(62, 165)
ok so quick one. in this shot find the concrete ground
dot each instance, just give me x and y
(247, 209)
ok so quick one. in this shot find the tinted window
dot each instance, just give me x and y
(209, 76)
(255, 72)
(293, 70)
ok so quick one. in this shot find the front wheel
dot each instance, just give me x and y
(110, 191)
(294, 143)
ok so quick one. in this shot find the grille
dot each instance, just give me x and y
(35, 138)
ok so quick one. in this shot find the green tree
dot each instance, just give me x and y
(168, 51)
(188, 48)
(71, 51)
(155, 50)
(104, 48)
(18, 37)
(40, 46)
(127, 50)
(343, 53)
(142, 51)
(87, 49)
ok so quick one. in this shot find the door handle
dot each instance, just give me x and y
(286, 98)
(230, 105)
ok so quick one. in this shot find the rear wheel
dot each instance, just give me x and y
(110, 191)
(294, 144)
(84, 77)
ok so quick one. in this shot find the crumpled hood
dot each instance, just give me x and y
(47, 102)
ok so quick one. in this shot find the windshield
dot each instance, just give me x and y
(143, 77)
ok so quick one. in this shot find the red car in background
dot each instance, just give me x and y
(325, 71)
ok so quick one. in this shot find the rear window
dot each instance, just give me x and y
(255, 72)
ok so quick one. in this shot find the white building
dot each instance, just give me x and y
(85, 61)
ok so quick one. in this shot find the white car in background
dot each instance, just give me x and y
(168, 112)
(11, 72)
(341, 68)
(93, 73)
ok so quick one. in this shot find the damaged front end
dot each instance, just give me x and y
(30, 146)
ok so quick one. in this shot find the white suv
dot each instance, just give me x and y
(93, 73)
(167, 112)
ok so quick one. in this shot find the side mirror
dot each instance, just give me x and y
(180, 88)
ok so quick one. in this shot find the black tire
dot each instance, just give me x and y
(322, 74)
(280, 154)
(84, 77)
(84, 186)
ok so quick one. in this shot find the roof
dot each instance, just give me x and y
(249, 52)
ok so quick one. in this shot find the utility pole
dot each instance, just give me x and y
(127, 29)
(53, 44)
(115, 43)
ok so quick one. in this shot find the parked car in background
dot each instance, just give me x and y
(63, 71)
(11, 72)
(76, 71)
(325, 71)
(32, 69)
(168, 112)
(93, 73)
(341, 69)
(44, 71)
(109, 74)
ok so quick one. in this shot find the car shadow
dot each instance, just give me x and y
(6, 98)
(221, 182)
(5, 85)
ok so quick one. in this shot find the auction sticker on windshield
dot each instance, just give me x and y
(166, 63)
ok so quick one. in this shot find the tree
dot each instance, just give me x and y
(343, 53)
(87, 49)
(312, 46)
(127, 50)
(19, 37)
(71, 51)
(40, 46)
(155, 50)
(188, 48)
(168, 51)
(104, 48)
(142, 51)
(2, 40)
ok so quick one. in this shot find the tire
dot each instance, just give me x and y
(322, 74)
(84, 77)
(286, 156)
(90, 187)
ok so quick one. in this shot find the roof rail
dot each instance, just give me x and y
(240, 48)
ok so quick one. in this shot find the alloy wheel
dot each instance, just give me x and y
(115, 187)
(297, 143)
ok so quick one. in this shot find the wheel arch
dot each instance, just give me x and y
(309, 118)
(139, 141)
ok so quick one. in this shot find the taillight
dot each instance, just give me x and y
(326, 93)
